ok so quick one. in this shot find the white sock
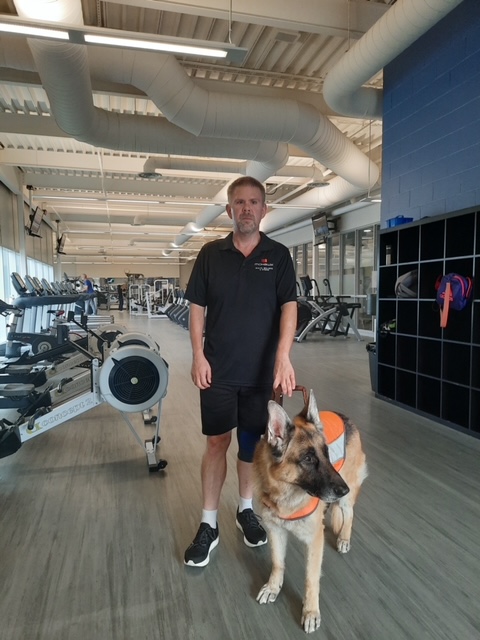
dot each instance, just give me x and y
(210, 517)
(245, 503)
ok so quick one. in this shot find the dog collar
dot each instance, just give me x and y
(305, 511)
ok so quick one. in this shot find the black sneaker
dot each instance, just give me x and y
(198, 553)
(254, 535)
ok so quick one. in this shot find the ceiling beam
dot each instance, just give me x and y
(328, 17)
(70, 161)
(96, 185)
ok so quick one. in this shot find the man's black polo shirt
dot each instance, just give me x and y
(243, 297)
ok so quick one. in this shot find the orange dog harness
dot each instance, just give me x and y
(334, 431)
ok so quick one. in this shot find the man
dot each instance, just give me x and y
(120, 296)
(242, 292)
(90, 302)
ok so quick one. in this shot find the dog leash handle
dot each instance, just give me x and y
(278, 394)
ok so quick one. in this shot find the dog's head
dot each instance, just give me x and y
(300, 453)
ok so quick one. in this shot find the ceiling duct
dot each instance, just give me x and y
(198, 118)
(218, 115)
(65, 73)
(396, 30)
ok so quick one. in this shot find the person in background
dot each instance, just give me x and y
(90, 303)
(242, 293)
(120, 297)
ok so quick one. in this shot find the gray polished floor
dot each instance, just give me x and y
(92, 543)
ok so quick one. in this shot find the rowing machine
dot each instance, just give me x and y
(131, 379)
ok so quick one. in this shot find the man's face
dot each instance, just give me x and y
(246, 209)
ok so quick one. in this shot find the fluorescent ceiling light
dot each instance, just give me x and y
(292, 206)
(83, 199)
(119, 38)
(123, 233)
(155, 46)
(196, 203)
(38, 32)
(127, 200)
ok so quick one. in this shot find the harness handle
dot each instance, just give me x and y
(277, 394)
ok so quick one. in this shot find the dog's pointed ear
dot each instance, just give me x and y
(277, 424)
(312, 412)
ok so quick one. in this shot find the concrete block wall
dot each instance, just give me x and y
(431, 124)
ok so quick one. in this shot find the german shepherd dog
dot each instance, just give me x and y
(295, 483)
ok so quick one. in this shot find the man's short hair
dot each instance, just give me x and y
(245, 181)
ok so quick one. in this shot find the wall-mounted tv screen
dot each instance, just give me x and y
(35, 221)
(61, 244)
(321, 230)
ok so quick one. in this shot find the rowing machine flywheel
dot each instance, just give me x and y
(133, 378)
(108, 335)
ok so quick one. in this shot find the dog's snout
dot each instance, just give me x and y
(340, 490)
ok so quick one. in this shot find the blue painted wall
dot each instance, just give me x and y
(431, 123)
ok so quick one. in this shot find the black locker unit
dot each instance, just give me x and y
(422, 367)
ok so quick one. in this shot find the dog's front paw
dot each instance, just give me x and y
(311, 620)
(268, 593)
(343, 546)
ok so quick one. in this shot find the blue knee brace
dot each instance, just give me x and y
(246, 445)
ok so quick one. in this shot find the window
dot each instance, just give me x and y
(321, 262)
(348, 261)
(8, 260)
(299, 259)
(334, 263)
(309, 259)
(348, 267)
(366, 284)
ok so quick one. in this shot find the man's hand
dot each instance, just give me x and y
(284, 375)
(201, 371)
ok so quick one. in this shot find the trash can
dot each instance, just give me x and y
(372, 359)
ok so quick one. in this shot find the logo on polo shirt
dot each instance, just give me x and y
(263, 265)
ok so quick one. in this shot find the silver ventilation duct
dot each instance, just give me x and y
(199, 118)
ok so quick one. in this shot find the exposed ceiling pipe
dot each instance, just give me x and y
(320, 198)
(261, 171)
(64, 12)
(213, 114)
(397, 29)
(291, 227)
(209, 213)
(242, 117)
(65, 75)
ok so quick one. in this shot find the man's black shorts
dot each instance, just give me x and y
(225, 407)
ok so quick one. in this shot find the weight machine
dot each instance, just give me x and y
(331, 315)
